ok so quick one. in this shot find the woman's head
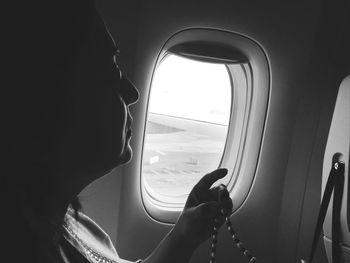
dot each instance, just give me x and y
(98, 121)
(68, 119)
(71, 108)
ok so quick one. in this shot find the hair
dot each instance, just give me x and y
(48, 37)
(44, 38)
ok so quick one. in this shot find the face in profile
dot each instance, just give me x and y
(100, 123)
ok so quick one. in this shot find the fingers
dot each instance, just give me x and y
(221, 194)
(207, 180)
(208, 213)
(209, 210)
(224, 198)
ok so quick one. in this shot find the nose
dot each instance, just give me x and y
(129, 92)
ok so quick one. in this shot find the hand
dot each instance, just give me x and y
(203, 205)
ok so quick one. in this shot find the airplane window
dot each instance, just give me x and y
(206, 109)
(188, 118)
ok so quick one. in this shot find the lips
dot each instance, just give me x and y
(128, 127)
(129, 132)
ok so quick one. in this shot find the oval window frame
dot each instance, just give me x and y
(248, 111)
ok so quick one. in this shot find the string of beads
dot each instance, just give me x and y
(235, 239)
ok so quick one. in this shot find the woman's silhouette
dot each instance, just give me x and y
(68, 123)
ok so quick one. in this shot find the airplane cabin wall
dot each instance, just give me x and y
(277, 218)
(329, 65)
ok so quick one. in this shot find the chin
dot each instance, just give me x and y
(123, 156)
(126, 156)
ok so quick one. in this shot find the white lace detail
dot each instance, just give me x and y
(96, 256)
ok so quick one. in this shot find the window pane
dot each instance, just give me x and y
(189, 111)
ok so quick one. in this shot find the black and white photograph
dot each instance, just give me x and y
(176, 131)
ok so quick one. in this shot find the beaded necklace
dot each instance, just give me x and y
(235, 239)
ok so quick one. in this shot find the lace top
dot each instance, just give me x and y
(89, 240)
